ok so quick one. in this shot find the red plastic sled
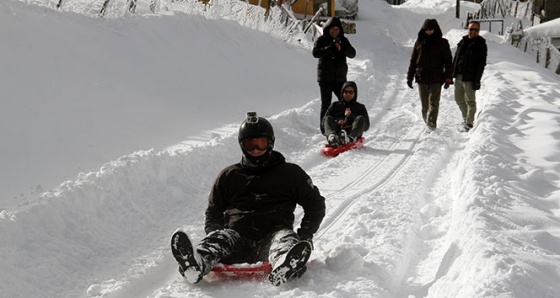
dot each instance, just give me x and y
(335, 151)
(245, 270)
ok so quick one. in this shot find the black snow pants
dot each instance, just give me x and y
(228, 247)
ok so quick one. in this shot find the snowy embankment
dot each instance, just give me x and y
(78, 91)
(411, 215)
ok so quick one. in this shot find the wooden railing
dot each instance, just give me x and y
(541, 48)
(130, 5)
(103, 8)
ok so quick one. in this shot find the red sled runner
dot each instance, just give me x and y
(335, 151)
(245, 270)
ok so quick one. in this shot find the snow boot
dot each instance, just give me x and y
(333, 140)
(293, 264)
(344, 139)
(464, 127)
(190, 263)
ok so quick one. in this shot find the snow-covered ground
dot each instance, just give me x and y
(550, 29)
(411, 215)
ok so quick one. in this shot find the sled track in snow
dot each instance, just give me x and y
(394, 155)
(351, 198)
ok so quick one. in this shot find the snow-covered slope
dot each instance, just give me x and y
(79, 91)
(411, 215)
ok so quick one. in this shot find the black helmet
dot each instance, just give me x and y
(256, 127)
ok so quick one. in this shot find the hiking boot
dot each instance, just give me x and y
(333, 140)
(190, 263)
(431, 126)
(464, 127)
(344, 139)
(293, 264)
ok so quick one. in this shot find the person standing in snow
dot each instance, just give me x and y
(431, 67)
(346, 120)
(250, 214)
(468, 65)
(331, 49)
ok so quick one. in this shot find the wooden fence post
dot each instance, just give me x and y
(132, 6)
(103, 8)
(547, 61)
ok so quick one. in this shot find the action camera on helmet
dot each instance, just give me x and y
(252, 117)
(256, 127)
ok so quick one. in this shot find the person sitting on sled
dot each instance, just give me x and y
(250, 214)
(346, 119)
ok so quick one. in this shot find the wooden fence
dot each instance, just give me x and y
(542, 49)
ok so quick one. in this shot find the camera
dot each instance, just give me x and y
(337, 40)
(252, 118)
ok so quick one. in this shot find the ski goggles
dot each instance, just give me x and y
(251, 144)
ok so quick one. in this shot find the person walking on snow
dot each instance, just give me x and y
(468, 65)
(431, 66)
(346, 120)
(250, 214)
(331, 49)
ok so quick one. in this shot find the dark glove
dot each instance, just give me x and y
(409, 83)
(335, 44)
(475, 85)
(447, 83)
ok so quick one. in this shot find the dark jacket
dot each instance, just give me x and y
(470, 58)
(431, 60)
(257, 202)
(337, 108)
(332, 65)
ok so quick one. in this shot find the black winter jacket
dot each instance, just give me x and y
(337, 108)
(257, 202)
(332, 65)
(431, 60)
(470, 59)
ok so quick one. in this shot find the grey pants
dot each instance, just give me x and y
(355, 131)
(465, 97)
(430, 95)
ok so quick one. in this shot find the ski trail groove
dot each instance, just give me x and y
(414, 134)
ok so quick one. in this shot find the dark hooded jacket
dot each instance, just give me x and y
(332, 65)
(431, 60)
(256, 201)
(337, 108)
(470, 58)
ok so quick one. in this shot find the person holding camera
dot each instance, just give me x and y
(468, 65)
(431, 67)
(332, 48)
(250, 214)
